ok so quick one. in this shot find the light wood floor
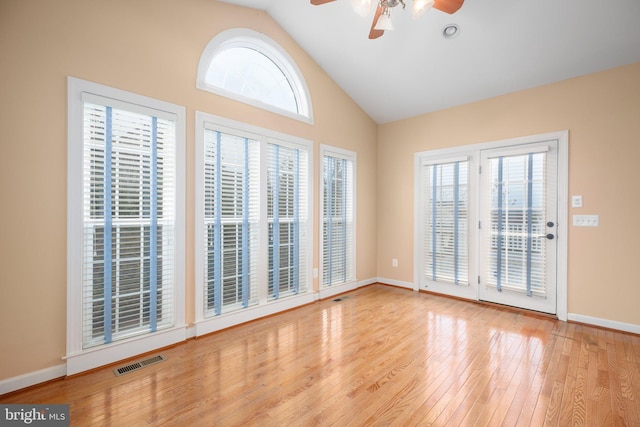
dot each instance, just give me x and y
(381, 356)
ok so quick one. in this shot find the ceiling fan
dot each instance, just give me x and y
(382, 17)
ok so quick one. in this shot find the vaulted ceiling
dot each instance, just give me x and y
(503, 46)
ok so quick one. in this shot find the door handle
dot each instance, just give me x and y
(549, 236)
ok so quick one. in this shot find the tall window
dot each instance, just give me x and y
(123, 214)
(252, 242)
(338, 227)
(231, 167)
(128, 223)
(250, 67)
(445, 206)
(286, 189)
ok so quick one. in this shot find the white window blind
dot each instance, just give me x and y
(338, 228)
(129, 217)
(517, 247)
(255, 218)
(287, 215)
(231, 213)
(445, 214)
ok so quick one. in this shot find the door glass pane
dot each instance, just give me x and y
(337, 221)
(517, 246)
(445, 215)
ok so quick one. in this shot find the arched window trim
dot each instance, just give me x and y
(243, 37)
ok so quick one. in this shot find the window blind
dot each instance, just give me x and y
(338, 221)
(231, 213)
(287, 218)
(516, 245)
(445, 213)
(129, 220)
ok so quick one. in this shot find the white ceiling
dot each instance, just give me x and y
(503, 46)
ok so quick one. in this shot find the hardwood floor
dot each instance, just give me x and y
(380, 356)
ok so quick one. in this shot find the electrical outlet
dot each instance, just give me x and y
(394, 262)
(586, 220)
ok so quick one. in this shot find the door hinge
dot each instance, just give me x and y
(478, 280)
(479, 225)
(480, 169)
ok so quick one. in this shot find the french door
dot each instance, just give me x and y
(518, 211)
(486, 221)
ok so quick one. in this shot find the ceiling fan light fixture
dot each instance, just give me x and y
(420, 7)
(361, 7)
(384, 22)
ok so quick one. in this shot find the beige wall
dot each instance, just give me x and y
(151, 47)
(602, 113)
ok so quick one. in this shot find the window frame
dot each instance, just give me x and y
(352, 283)
(266, 306)
(246, 38)
(79, 359)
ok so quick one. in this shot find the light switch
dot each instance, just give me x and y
(576, 201)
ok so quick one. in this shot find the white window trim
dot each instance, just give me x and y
(243, 37)
(77, 359)
(342, 153)
(264, 307)
(473, 154)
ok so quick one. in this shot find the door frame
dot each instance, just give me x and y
(473, 152)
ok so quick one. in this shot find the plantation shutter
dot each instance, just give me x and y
(129, 220)
(338, 220)
(231, 211)
(287, 216)
(445, 214)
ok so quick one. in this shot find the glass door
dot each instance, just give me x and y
(518, 216)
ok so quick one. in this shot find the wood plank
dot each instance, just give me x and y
(383, 356)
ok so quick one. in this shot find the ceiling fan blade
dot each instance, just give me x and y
(374, 34)
(319, 2)
(448, 6)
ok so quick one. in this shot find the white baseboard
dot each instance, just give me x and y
(191, 331)
(338, 289)
(408, 285)
(604, 323)
(121, 350)
(224, 321)
(32, 378)
(367, 282)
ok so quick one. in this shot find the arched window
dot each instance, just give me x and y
(250, 67)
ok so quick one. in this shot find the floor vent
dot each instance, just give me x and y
(138, 365)
(341, 299)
